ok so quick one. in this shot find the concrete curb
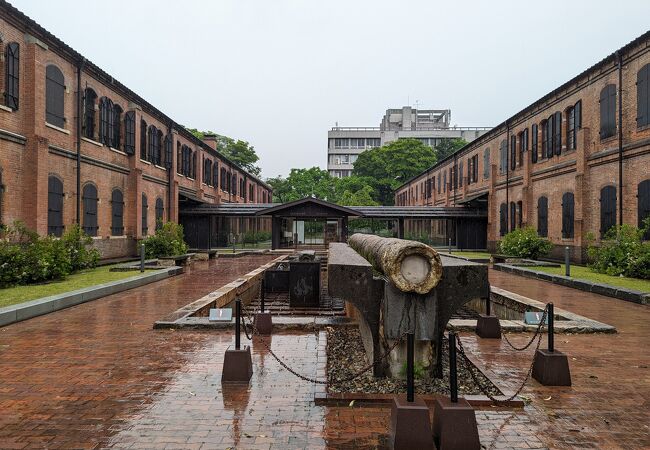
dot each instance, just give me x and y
(45, 305)
(641, 298)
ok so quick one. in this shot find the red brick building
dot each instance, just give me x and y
(77, 146)
(573, 163)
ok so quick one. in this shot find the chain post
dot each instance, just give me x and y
(551, 328)
(237, 323)
(453, 370)
(410, 369)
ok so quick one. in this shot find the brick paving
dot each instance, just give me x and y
(97, 375)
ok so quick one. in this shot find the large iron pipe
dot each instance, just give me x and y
(412, 266)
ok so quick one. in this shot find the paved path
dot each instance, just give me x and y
(97, 375)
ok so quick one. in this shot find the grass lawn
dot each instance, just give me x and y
(585, 273)
(79, 280)
(467, 254)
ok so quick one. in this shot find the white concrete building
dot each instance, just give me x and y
(430, 126)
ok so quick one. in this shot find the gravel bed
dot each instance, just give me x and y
(346, 356)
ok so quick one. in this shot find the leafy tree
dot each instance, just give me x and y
(362, 197)
(238, 151)
(448, 147)
(303, 183)
(391, 165)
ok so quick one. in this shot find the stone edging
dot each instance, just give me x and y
(45, 305)
(628, 295)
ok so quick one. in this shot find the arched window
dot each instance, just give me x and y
(106, 124)
(567, 215)
(643, 198)
(224, 186)
(54, 206)
(503, 156)
(503, 219)
(207, 171)
(545, 138)
(215, 174)
(143, 139)
(117, 213)
(89, 197)
(643, 96)
(54, 96)
(234, 185)
(179, 158)
(145, 210)
(513, 216)
(160, 211)
(242, 189)
(520, 213)
(12, 68)
(251, 193)
(157, 148)
(607, 209)
(193, 165)
(608, 111)
(513, 152)
(533, 146)
(557, 133)
(486, 164)
(117, 127)
(89, 113)
(154, 145)
(168, 152)
(542, 216)
(129, 133)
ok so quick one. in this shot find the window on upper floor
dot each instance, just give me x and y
(643, 96)
(117, 126)
(486, 163)
(223, 184)
(12, 72)
(513, 152)
(129, 133)
(143, 139)
(461, 174)
(503, 156)
(545, 138)
(608, 111)
(54, 96)
(444, 182)
(533, 147)
(557, 133)
(215, 174)
(106, 121)
(89, 113)
(207, 171)
(168, 152)
(341, 143)
(574, 123)
(523, 146)
(233, 187)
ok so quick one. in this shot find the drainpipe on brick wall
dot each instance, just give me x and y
(507, 176)
(620, 137)
(80, 66)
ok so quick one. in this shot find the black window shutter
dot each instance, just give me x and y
(12, 68)
(643, 96)
(145, 209)
(89, 197)
(558, 132)
(643, 199)
(117, 213)
(607, 209)
(54, 95)
(533, 148)
(503, 224)
(143, 140)
(578, 114)
(567, 215)
(542, 216)
(129, 133)
(54, 206)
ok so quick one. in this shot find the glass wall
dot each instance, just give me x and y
(379, 227)
(433, 232)
(244, 232)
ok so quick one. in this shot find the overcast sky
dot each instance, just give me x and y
(280, 73)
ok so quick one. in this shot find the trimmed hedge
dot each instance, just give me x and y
(168, 241)
(524, 243)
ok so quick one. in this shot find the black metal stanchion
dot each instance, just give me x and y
(487, 325)
(454, 421)
(567, 261)
(237, 324)
(262, 320)
(453, 372)
(142, 255)
(550, 366)
(410, 426)
(237, 362)
(410, 369)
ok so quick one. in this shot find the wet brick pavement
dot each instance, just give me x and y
(97, 375)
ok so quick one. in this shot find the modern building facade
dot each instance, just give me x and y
(431, 126)
(572, 164)
(77, 146)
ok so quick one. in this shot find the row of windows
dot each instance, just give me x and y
(342, 159)
(90, 200)
(608, 207)
(356, 142)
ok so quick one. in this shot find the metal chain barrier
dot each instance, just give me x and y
(537, 333)
(248, 321)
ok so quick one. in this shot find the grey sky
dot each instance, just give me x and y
(280, 73)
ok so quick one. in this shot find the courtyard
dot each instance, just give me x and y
(98, 375)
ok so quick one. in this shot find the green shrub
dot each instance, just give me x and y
(524, 243)
(622, 252)
(168, 241)
(77, 243)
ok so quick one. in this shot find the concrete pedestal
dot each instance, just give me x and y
(237, 365)
(551, 368)
(488, 327)
(410, 425)
(263, 323)
(454, 425)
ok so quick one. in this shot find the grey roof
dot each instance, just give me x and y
(379, 212)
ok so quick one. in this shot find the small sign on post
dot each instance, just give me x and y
(534, 317)
(220, 315)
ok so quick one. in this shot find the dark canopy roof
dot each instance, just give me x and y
(308, 207)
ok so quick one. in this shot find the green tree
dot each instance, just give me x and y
(238, 151)
(448, 147)
(303, 183)
(391, 165)
(362, 197)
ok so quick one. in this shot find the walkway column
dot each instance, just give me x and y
(344, 229)
(400, 228)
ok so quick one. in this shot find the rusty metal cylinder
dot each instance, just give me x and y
(412, 266)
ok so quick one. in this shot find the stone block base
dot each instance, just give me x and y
(263, 323)
(237, 365)
(488, 327)
(410, 425)
(551, 368)
(454, 425)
